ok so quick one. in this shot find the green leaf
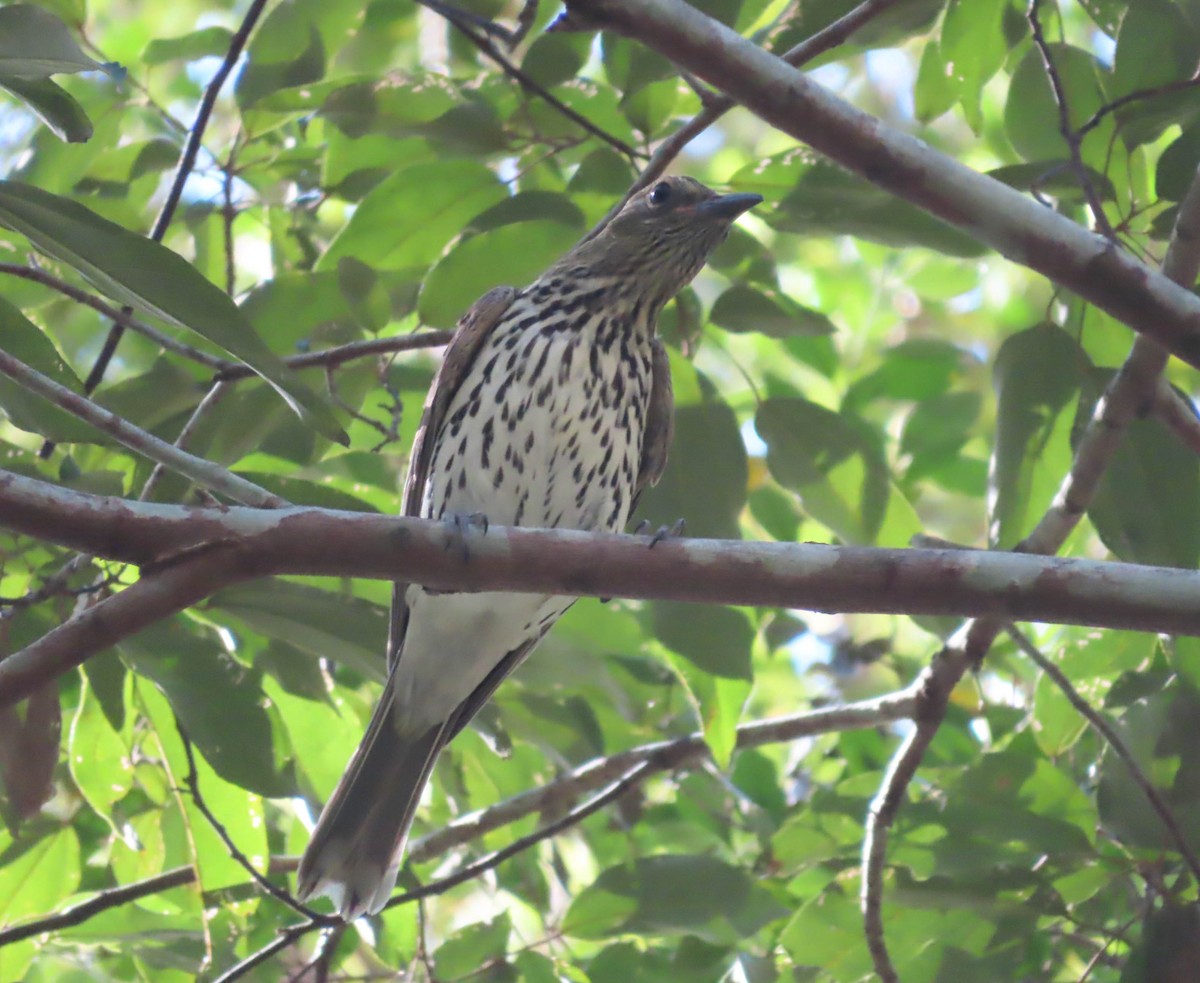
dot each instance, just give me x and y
(1155, 46)
(23, 340)
(100, 758)
(218, 701)
(1037, 374)
(512, 254)
(335, 626)
(148, 276)
(408, 219)
(471, 948)
(287, 50)
(1147, 507)
(716, 639)
(238, 810)
(35, 44)
(973, 49)
(831, 462)
(53, 104)
(204, 43)
(670, 895)
(1031, 118)
(817, 198)
(743, 308)
(708, 499)
(34, 877)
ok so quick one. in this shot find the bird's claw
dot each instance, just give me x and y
(458, 524)
(673, 531)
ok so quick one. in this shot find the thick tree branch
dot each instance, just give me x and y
(1005, 219)
(202, 472)
(824, 40)
(193, 552)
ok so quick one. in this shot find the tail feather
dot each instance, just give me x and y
(356, 849)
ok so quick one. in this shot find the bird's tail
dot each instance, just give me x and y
(356, 849)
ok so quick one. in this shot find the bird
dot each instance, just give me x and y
(552, 408)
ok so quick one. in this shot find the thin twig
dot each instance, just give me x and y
(102, 901)
(345, 353)
(187, 161)
(192, 781)
(285, 940)
(1115, 741)
(228, 215)
(467, 873)
(824, 40)
(1178, 415)
(211, 398)
(123, 317)
(1073, 137)
(202, 472)
(529, 84)
(1179, 85)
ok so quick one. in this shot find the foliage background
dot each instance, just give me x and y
(848, 370)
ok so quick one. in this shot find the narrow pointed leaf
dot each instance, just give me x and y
(146, 275)
(35, 44)
(54, 106)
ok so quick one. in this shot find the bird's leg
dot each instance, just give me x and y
(673, 531)
(458, 524)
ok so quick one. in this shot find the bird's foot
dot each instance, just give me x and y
(458, 525)
(673, 531)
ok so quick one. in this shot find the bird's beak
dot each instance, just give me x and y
(727, 207)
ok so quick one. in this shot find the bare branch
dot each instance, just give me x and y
(102, 901)
(332, 357)
(211, 398)
(1179, 85)
(1073, 137)
(991, 212)
(202, 472)
(1115, 741)
(684, 752)
(192, 552)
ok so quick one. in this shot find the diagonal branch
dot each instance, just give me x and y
(824, 40)
(123, 317)
(1129, 392)
(202, 472)
(527, 82)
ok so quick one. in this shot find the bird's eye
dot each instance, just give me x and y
(660, 194)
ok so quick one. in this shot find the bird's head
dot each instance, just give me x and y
(664, 234)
